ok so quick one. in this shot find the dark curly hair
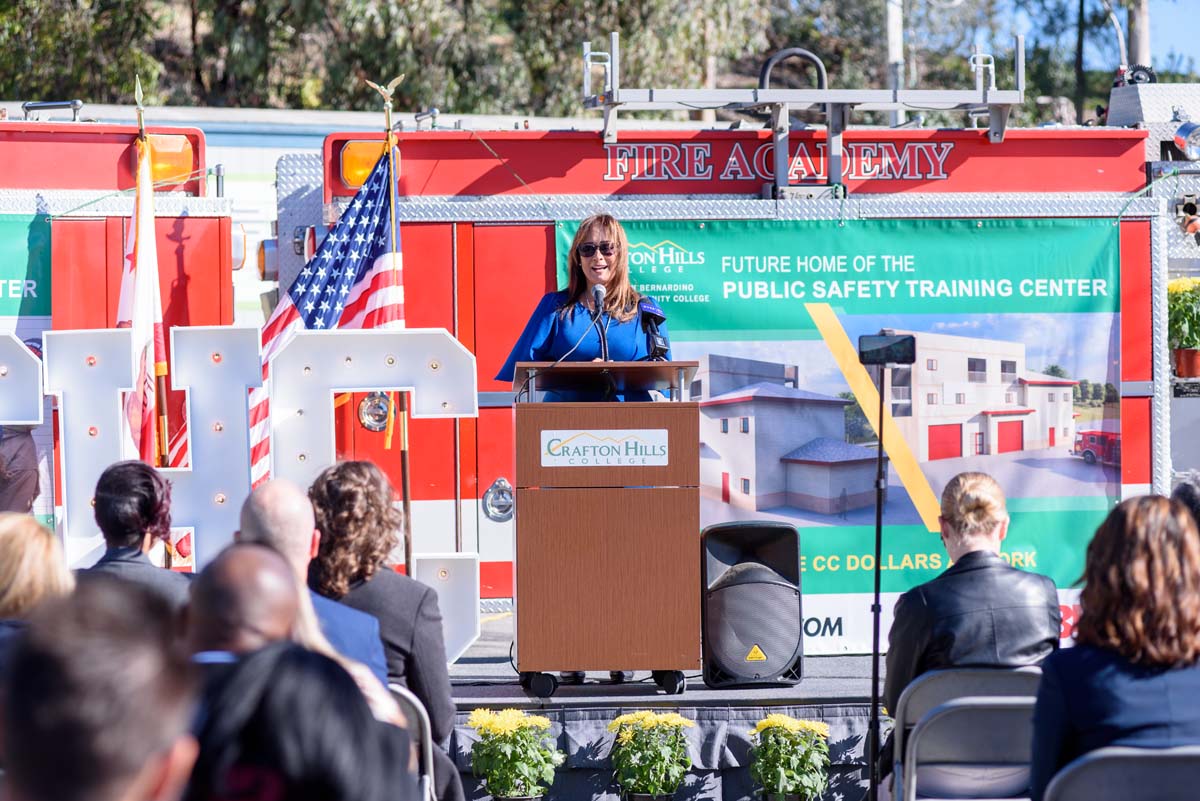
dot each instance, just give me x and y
(132, 499)
(1142, 592)
(358, 523)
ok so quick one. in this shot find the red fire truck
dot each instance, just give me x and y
(1098, 446)
(75, 180)
(480, 208)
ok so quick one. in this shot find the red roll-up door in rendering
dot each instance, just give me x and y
(1010, 436)
(945, 441)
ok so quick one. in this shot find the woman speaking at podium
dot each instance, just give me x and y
(566, 325)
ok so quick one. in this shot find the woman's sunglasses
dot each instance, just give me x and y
(588, 249)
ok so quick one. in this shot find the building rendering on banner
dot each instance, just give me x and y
(975, 397)
(766, 443)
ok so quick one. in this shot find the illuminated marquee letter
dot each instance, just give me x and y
(217, 365)
(88, 371)
(20, 383)
(430, 363)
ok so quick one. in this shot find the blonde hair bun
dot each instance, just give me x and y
(973, 503)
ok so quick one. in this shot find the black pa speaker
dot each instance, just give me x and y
(750, 609)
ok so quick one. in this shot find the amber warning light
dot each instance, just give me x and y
(358, 158)
(172, 159)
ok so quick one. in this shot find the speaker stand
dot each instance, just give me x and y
(876, 610)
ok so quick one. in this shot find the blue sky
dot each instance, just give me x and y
(1174, 25)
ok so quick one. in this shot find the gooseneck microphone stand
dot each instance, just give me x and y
(876, 609)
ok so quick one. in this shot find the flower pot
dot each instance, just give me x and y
(1187, 362)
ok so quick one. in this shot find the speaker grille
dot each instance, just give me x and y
(753, 614)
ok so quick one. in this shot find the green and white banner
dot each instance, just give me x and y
(26, 452)
(1017, 343)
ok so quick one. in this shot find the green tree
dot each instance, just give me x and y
(455, 56)
(68, 49)
(255, 52)
(857, 427)
(663, 44)
(1083, 390)
(1056, 371)
(1097, 392)
(1110, 394)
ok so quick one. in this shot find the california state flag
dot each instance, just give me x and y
(140, 309)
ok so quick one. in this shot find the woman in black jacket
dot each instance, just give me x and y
(359, 526)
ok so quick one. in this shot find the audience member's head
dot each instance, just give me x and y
(133, 505)
(973, 517)
(358, 524)
(245, 598)
(1187, 492)
(32, 567)
(290, 724)
(1141, 595)
(278, 514)
(98, 700)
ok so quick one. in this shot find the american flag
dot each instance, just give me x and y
(353, 281)
(140, 309)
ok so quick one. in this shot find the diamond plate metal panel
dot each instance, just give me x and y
(90, 203)
(299, 197)
(1151, 102)
(1160, 406)
(1172, 187)
(710, 207)
(493, 606)
(1093, 204)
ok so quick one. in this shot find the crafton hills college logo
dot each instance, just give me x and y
(604, 447)
(665, 256)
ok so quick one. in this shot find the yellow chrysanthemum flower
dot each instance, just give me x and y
(790, 724)
(1178, 285)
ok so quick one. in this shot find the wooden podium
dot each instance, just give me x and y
(607, 525)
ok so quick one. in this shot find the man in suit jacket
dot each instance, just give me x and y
(278, 514)
(133, 509)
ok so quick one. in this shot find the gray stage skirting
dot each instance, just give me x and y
(719, 746)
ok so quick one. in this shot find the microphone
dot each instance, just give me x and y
(598, 292)
(657, 345)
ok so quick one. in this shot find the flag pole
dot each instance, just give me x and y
(160, 394)
(394, 407)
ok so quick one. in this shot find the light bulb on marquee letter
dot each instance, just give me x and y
(429, 362)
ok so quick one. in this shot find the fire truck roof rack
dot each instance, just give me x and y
(837, 104)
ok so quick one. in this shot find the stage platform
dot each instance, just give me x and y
(835, 690)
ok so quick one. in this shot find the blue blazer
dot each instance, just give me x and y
(352, 633)
(1092, 697)
(549, 335)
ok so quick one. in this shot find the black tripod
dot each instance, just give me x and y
(882, 351)
(876, 609)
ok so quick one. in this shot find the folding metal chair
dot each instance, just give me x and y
(1107, 774)
(418, 722)
(939, 686)
(977, 742)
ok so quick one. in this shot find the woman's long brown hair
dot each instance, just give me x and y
(359, 526)
(1142, 592)
(620, 299)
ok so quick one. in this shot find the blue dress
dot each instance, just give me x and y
(549, 335)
